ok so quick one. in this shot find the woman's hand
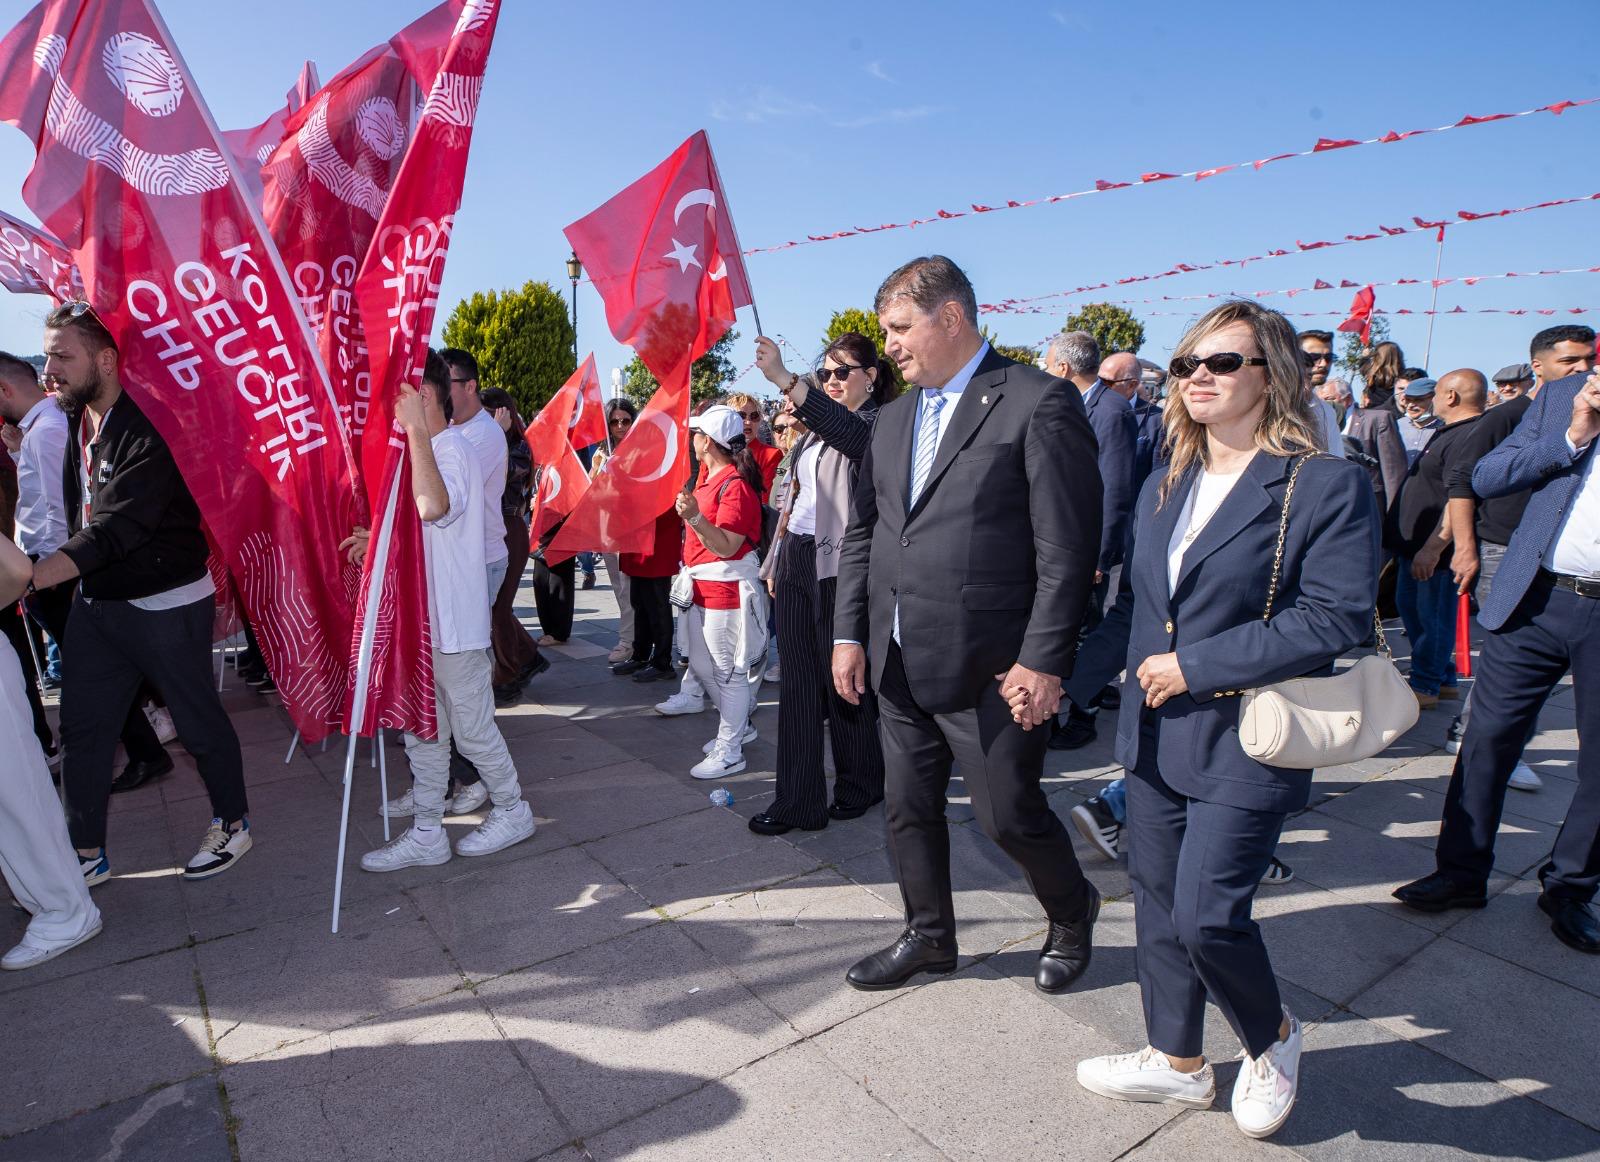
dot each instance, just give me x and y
(354, 547)
(770, 361)
(1161, 678)
(688, 507)
(502, 416)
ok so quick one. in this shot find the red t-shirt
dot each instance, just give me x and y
(665, 549)
(729, 503)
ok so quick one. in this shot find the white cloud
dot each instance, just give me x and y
(765, 104)
(875, 70)
(897, 116)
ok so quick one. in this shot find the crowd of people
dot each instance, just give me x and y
(966, 561)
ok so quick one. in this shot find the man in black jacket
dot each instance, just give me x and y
(145, 601)
(973, 542)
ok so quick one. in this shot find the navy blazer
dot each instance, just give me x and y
(1212, 619)
(1534, 456)
(1151, 438)
(1117, 434)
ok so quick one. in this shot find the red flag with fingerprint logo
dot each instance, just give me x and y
(397, 292)
(34, 263)
(664, 256)
(562, 481)
(133, 178)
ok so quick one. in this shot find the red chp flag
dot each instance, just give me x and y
(252, 147)
(132, 177)
(397, 291)
(1361, 315)
(664, 256)
(588, 424)
(562, 482)
(34, 263)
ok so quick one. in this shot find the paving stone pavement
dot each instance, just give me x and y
(646, 979)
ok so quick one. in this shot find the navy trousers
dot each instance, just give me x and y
(1195, 867)
(1552, 631)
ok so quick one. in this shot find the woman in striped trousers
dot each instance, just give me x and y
(803, 571)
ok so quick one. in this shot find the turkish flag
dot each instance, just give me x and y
(132, 177)
(34, 263)
(562, 482)
(397, 294)
(588, 423)
(664, 256)
(251, 147)
(1361, 315)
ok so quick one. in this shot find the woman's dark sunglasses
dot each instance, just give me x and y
(1222, 363)
(841, 373)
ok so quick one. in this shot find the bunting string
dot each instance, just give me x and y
(1101, 186)
(1463, 217)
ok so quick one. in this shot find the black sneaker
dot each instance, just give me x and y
(1109, 698)
(631, 666)
(588, 581)
(1098, 825)
(1078, 731)
(656, 674)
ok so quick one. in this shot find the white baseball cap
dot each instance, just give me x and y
(720, 422)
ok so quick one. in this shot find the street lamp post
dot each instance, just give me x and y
(574, 272)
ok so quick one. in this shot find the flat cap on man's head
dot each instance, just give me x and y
(1418, 388)
(1513, 373)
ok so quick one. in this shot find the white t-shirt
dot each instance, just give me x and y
(803, 516)
(1204, 499)
(452, 546)
(489, 453)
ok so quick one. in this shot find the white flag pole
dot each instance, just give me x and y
(358, 707)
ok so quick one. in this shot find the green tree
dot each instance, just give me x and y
(1352, 353)
(1113, 328)
(707, 379)
(522, 340)
(1021, 354)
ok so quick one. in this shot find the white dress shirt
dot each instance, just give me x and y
(452, 546)
(488, 444)
(1576, 548)
(41, 499)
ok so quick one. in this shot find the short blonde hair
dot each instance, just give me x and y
(739, 400)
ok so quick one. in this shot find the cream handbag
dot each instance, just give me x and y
(1325, 722)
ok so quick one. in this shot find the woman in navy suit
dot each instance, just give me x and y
(1188, 627)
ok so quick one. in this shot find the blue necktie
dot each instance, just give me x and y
(927, 442)
(933, 402)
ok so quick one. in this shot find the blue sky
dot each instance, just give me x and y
(829, 115)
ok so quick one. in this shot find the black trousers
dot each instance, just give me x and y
(18, 633)
(553, 596)
(1195, 868)
(806, 701)
(1001, 764)
(110, 648)
(52, 608)
(1552, 631)
(651, 598)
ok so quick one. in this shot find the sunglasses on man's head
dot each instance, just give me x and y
(841, 373)
(1222, 363)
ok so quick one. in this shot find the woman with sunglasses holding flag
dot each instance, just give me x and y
(855, 381)
(1188, 628)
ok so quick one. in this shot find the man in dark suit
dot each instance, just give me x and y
(1075, 357)
(973, 544)
(1543, 618)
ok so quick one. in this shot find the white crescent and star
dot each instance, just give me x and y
(669, 435)
(684, 253)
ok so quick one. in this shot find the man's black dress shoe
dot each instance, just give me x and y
(845, 813)
(1079, 731)
(1067, 948)
(532, 670)
(1439, 893)
(1573, 921)
(764, 824)
(631, 666)
(897, 964)
(139, 772)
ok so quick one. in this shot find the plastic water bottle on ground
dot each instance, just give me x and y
(722, 797)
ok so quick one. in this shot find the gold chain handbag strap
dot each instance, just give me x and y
(1277, 559)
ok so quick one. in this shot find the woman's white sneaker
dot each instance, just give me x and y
(409, 850)
(1523, 778)
(468, 799)
(1264, 1092)
(1147, 1076)
(720, 763)
(504, 827)
(750, 735)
